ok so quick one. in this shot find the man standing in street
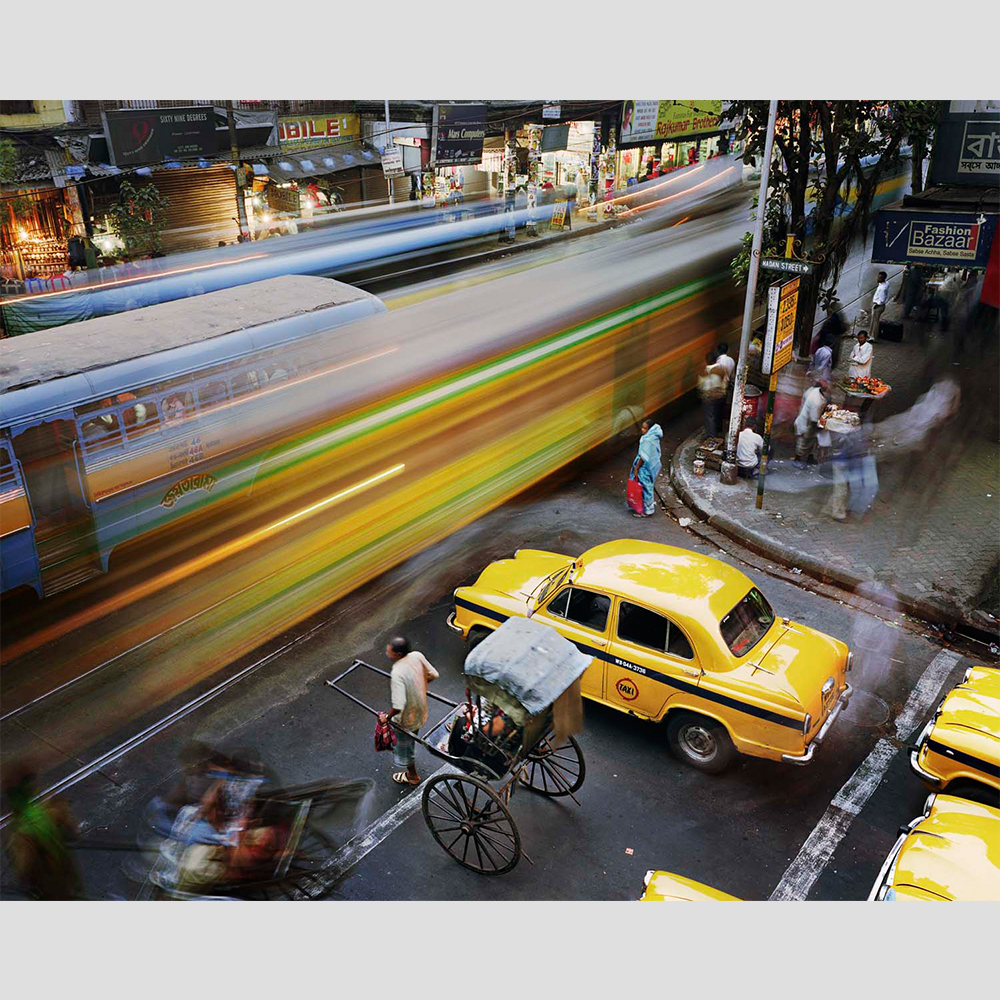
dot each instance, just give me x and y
(724, 405)
(879, 299)
(411, 673)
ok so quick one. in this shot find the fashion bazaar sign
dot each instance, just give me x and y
(666, 121)
(311, 133)
(154, 135)
(945, 238)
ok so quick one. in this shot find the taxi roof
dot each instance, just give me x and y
(664, 576)
(954, 852)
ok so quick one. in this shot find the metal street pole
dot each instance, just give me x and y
(388, 140)
(728, 471)
(234, 150)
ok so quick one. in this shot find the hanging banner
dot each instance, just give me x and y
(948, 239)
(666, 121)
(461, 129)
(782, 303)
(392, 161)
(295, 132)
(153, 135)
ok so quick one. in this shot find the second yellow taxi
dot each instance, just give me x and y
(678, 637)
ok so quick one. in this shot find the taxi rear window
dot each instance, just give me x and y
(747, 623)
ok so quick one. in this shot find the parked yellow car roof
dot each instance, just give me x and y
(954, 853)
(665, 576)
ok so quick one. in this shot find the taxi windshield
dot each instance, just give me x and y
(746, 624)
(549, 584)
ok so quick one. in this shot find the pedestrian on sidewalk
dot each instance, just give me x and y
(910, 289)
(411, 673)
(855, 477)
(861, 357)
(711, 388)
(646, 466)
(806, 423)
(879, 299)
(749, 447)
(728, 366)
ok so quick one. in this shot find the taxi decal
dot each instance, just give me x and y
(674, 682)
(964, 758)
(627, 690)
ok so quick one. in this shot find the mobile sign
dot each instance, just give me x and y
(782, 302)
(157, 134)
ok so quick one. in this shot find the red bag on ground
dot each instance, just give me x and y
(633, 495)
(385, 736)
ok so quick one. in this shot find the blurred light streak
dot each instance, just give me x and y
(686, 217)
(186, 569)
(670, 197)
(128, 281)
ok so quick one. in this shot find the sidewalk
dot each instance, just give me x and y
(929, 544)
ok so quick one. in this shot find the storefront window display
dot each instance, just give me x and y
(33, 234)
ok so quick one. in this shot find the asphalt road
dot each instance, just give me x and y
(760, 828)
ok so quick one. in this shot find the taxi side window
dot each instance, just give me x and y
(647, 628)
(582, 607)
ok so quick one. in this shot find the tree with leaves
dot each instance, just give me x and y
(825, 152)
(138, 218)
(10, 166)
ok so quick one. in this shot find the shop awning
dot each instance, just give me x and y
(289, 166)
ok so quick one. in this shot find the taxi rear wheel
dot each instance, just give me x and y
(700, 742)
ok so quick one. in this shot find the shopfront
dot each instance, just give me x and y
(34, 229)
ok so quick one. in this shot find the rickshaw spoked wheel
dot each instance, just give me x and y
(553, 770)
(469, 820)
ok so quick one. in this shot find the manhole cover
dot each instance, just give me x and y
(866, 710)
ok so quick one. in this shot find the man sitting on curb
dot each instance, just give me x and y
(749, 446)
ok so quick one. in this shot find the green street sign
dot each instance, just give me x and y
(786, 265)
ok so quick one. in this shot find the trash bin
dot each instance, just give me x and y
(754, 402)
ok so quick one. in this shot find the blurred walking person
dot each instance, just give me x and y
(411, 673)
(879, 300)
(711, 388)
(728, 367)
(806, 423)
(39, 842)
(646, 466)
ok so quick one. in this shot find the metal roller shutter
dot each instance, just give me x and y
(201, 209)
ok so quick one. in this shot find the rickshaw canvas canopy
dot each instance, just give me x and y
(528, 661)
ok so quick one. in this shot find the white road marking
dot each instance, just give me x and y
(354, 850)
(815, 853)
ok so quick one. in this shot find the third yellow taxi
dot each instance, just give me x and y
(679, 637)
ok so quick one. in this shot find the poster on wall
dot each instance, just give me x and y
(461, 129)
(296, 132)
(156, 134)
(666, 121)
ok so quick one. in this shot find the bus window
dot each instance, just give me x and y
(248, 381)
(277, 372)
(101, 433)
(211, 393)
(176, 408)
(140, 419)
(7, 479)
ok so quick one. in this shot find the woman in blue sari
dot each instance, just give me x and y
(646, 466)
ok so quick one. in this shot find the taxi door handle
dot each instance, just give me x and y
(690, 672)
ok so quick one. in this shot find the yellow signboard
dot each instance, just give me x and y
(324, 130)
(667, 121)
(784, 335)
(558, 218)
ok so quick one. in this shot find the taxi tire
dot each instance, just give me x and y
(680, 723)
(975, 791)
(476, 635)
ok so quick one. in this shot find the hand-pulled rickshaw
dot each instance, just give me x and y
(514, 728)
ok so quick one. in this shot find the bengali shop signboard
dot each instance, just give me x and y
(296, 132)
(666, 121)
(153, 135)
(459, 135)
(967, 150)
(782, 303)
(945, 239)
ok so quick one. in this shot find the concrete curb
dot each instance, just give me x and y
(934, 613)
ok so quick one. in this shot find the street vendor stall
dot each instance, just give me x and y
(861, 392)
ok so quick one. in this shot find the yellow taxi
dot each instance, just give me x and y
(666, 887)
(678, 637)
(951, 852)
(958, 750)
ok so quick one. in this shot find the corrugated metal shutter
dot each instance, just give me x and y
(201, 209)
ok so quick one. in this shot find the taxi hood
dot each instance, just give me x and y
(801, 660)
(521, 577)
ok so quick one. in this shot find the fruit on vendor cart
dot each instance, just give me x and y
(866, 383)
